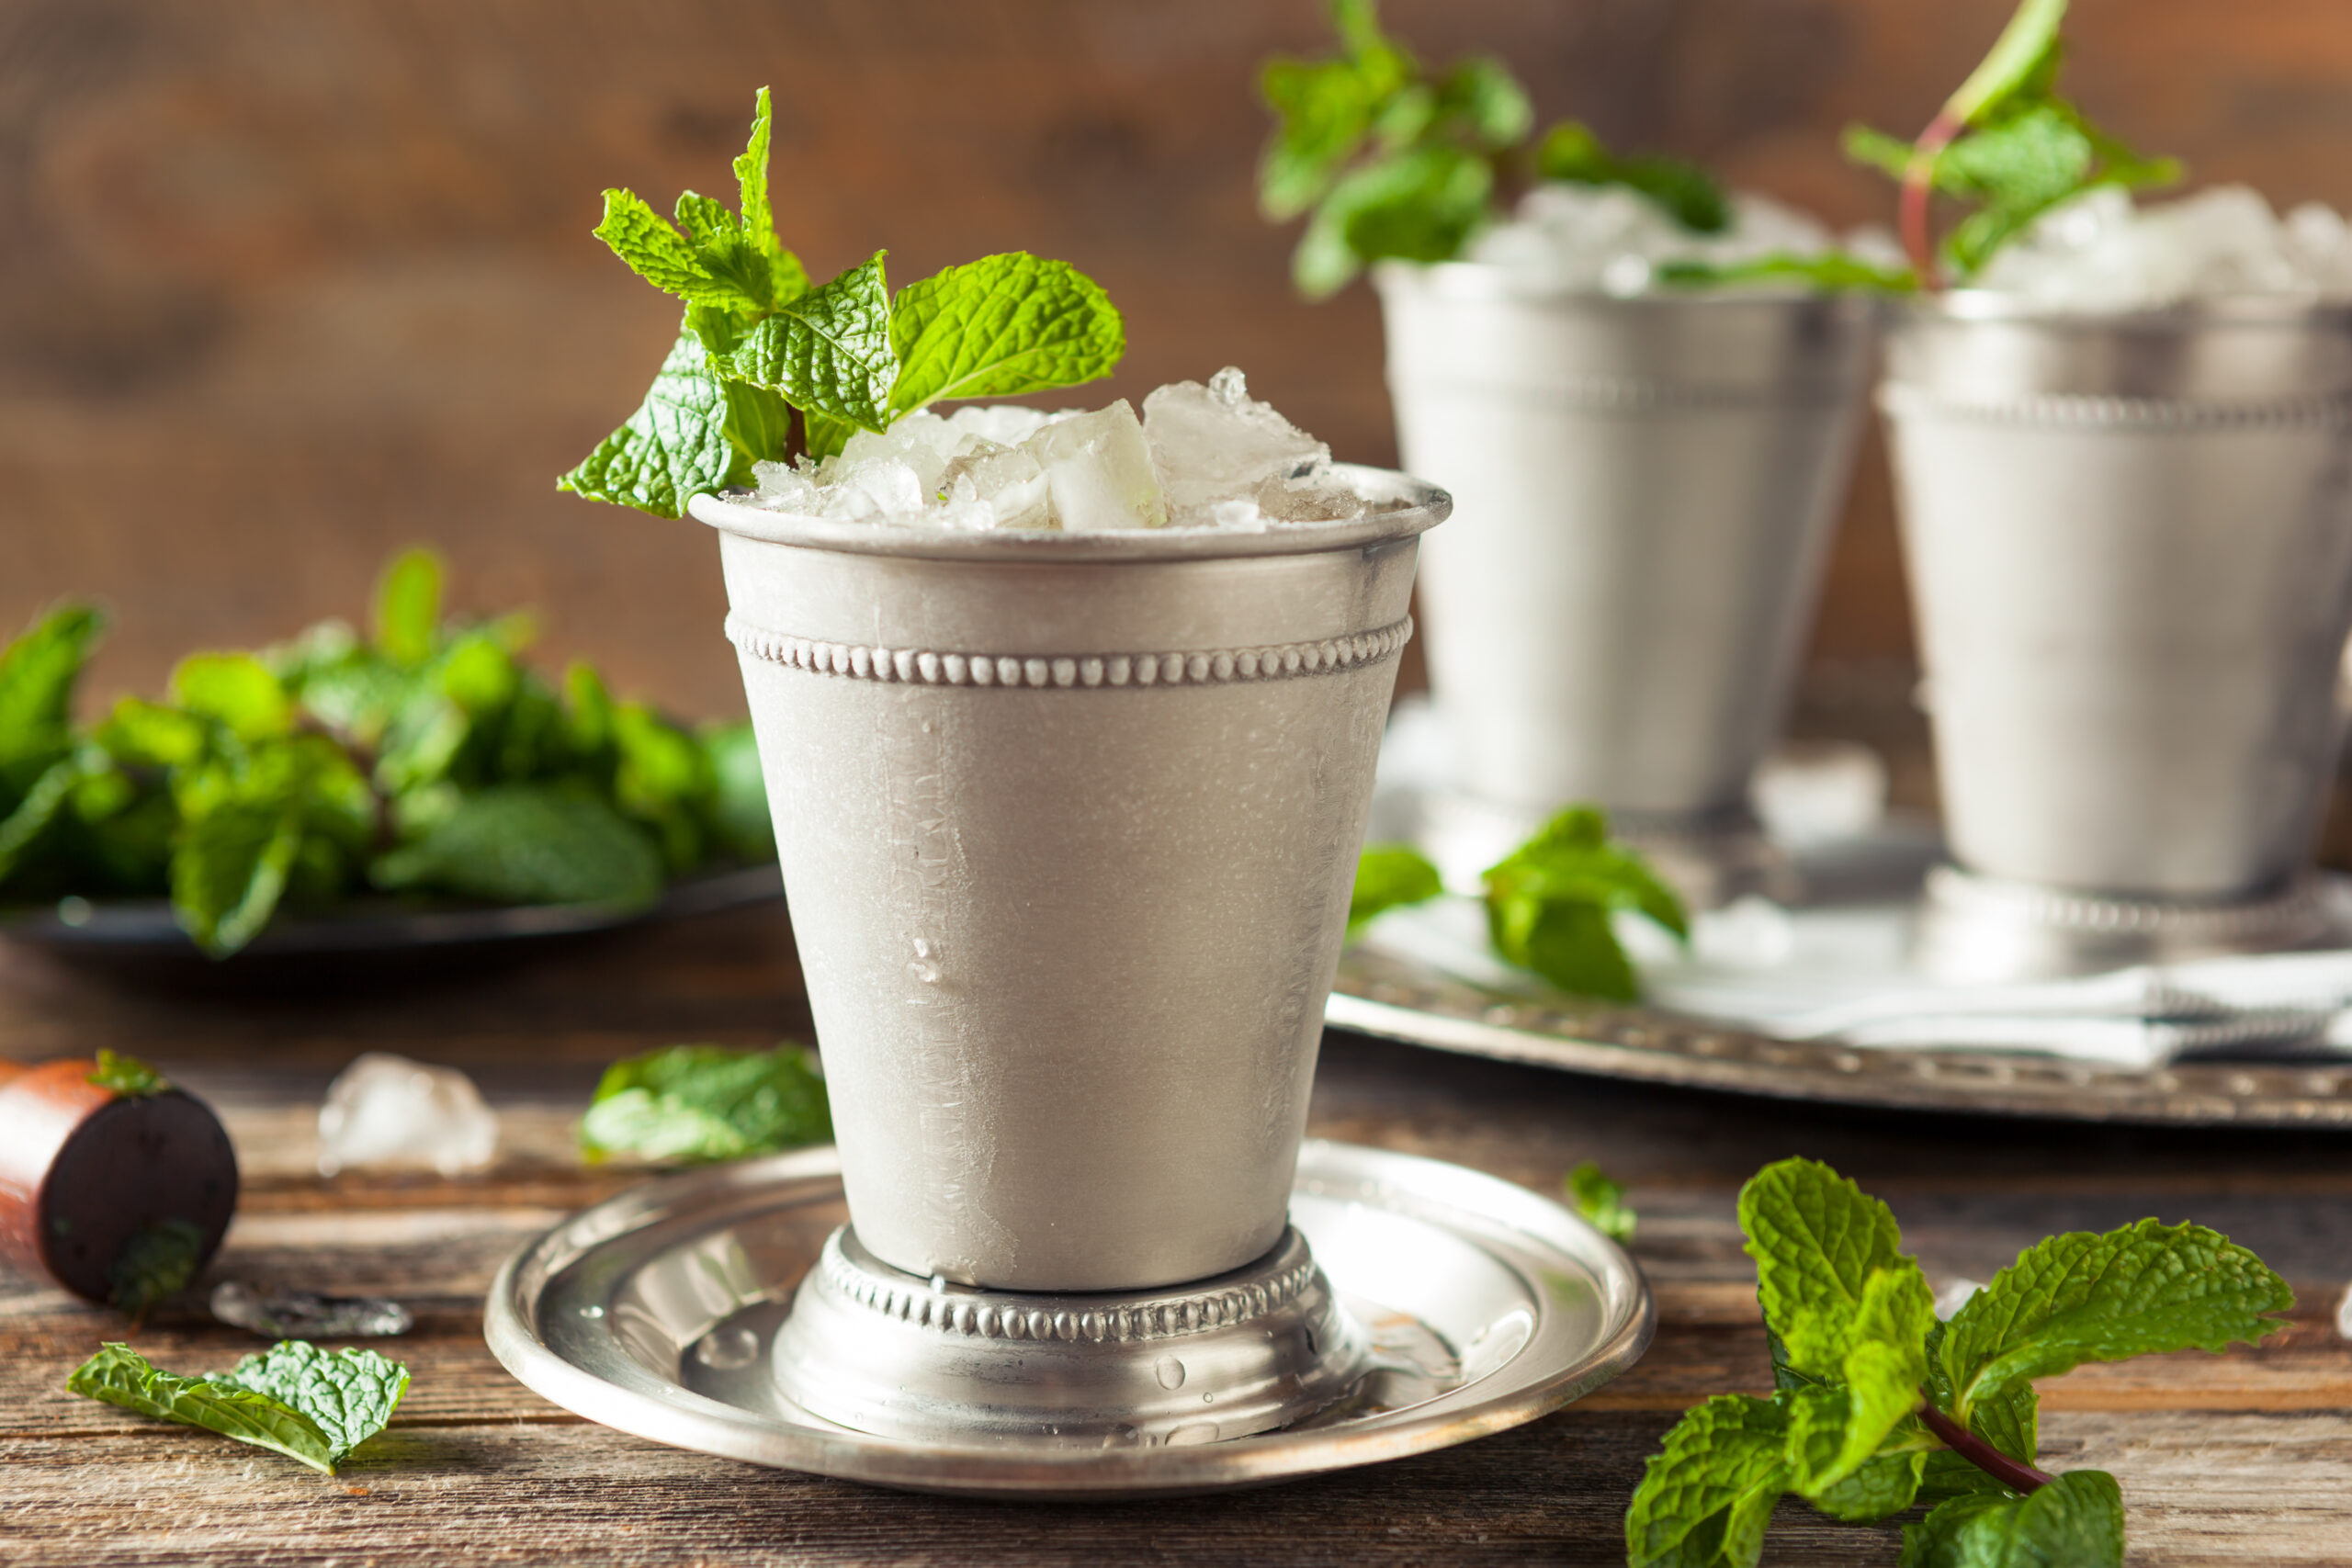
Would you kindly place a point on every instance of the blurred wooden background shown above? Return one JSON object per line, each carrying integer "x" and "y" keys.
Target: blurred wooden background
{"x": 286, "y": 284}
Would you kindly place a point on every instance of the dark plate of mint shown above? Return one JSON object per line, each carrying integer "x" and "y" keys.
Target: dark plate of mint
{"x": 393, "y": 800}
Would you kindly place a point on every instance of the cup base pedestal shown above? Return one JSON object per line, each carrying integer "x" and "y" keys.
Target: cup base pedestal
{"x": 879, "y": 1350}
{"x": 1986, "y": 930}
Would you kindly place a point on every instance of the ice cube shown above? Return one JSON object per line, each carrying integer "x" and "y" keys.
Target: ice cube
{"x": 1007, "y": 424}
{"x": 883, "y": 490}
{"x": 1097, "y": 468}
{"x": 1216, "y": 443}
{"x": 1007, "y": 480}
{"x": 784, "y": 488}
{"x": 2100, "y": 252}
{"x": 924, "y": 442}
{"x": 388, "y": 1111}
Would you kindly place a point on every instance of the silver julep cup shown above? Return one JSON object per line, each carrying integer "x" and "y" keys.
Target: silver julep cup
{"x": 1646, "y": 489}
{"x": 1068, "y": 825}
{"x": 2130, "y": 541}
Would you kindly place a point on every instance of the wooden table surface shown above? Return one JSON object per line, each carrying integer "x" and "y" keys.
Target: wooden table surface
{"x": 2235, "y": 1459}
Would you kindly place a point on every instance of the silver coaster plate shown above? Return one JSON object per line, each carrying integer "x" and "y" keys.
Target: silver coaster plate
{"x": 653, "y": 1313}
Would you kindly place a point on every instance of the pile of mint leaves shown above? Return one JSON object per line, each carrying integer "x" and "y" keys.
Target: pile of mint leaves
{"x": 1550, "y": 903}
{"x": 2007, "y": 146}
{"x": 310, "y": 1405}
{"x": 768, "y": 367}
{"x": 1387, "y": 159}
{"x": 1878, "y": 1406}
{"x": 424, "y": 758}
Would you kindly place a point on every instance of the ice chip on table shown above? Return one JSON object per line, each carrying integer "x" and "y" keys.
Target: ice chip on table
{"x": 1099, "y": 469}
{"x": 1216, "y": 443}
{"x": 2101, "y": 251}
{"x": 998, "y": 487}
{"x": 388, "y": 1111}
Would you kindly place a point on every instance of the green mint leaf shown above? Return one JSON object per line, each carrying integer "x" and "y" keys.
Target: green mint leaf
{"x": 1418, "y": 206}
{"x": 1831, "y": 271}
{"x": 697, "y": 1103}
{"x": 999, "y": 327}
{"x": 2024, "y": 52}
{"x": 711, "y": 273}
{"x": 1835, "y": 1430}
{"x": 739, "y": 793}
{"x": 1486, "y": 101}
{"x": 2076, "y": 1521}
{"x": 674, "y": 447}
{"x": 120, "y": 1376}
{"x": 408, "y": 607}
{"x": 1831, "y": 1277}
{"x": 752, "y": 189}
{"x": 1706, "y": 1496}
{"x": 1390, "y": 876}
{"x": 2144, "y": 1290}
{"x": 348, "y": 1395}
{"x": 237, "y": 689}
{"x": 37, "y": 672}
{"x": 1323, "y": 111}
{"x": 1548, "y": 905}
{"x": 230, "y": 868}
{"x": 829, "y": 351}
{"x": 1890, "y": 155}
{"x": 1886, "y": 1484}
{"x": 24, "y": 830}
{"x": 530, "y": 844}
{"x": 146, "y": 734}
{"x": 155, "y": 1264}
{"x": 128, "y": 1078}
{"x": 1570, "y": 153}
{"x": 1601, "y": 1201}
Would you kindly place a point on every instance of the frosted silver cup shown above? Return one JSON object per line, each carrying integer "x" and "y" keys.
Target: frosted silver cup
{"x": 1068, "y": 824}
{"x": 2130, "y": 541}
{"x": 1645, "y": 490}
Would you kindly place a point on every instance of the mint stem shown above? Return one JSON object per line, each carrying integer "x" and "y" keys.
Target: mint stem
{"x": 1919, "y": 194}
{"x": 2012, "y": 1474}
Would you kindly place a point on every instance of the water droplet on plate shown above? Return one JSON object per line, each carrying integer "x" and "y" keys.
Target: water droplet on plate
{"x": 1169, "y": 1371}
{"x": 728, "y": 1348}
{"x": 592, "y": 1312}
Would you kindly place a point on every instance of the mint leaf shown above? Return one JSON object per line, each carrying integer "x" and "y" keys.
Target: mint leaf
{"x": 1388, "y": 877}
{"x": 674, "y": 447}
{"x": 408, "y": 607}
{"x": 1548, "y": 905}
{"x": 24, "y": 829}
{"x": 126, "y": 1077}
{"x": 1819, "y": 1240}
{"x": 348, "y": 1395}
{"x": 1601, "y": 1202}
{"x": 1886, "y": 1484}
{"x": 230, "y": 869}
{"x": 530, "y": 844}
{"x": 715, "y": 267}
{"x": 237, "y": 689}
{"x": 999, "y": 327}
{"x": 37, "y": 672}
{"x": 1828, "y": 271}
{"x": 1570, "y": 153}
{"x": 1418, "y": 206}
{"x": 694, "y": 1103}
{"x": 2142, "y": 1289}
{"x": 155, "y": 1264}
{"x": 2076, "y": 1521}
{"x": 827, "y": 352}
{"x": 752, "y": 187}
{"x": 120, "y": 1376}
{"x": 2026, "y": 50}
{"x": 1705, "y": 1498}
{"x": 739, "y": 791}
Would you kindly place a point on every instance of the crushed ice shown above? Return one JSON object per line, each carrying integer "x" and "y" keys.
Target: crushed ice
{"x": 1200, "y": 456}
{"x": 1612, "y": 240}
{"x": 2103, "y": 252}
{"x": 388, "y": 1111}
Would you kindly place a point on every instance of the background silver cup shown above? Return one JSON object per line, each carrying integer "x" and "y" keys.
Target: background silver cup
{"x": 1646, "y": 489}
{"x": 1068, "y": 825}
{"x": 2129, "y": 542}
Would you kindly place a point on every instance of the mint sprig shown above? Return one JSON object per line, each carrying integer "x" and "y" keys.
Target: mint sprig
{"x": 1601, "y": 1201}
{"x": 759, "y": 343}
{"x": 2008, "y": 145}
{"x": 692, "y": 1104}
{"x": 310, "y": 1405}
{"x": 1549, "y": 904}
{"x": 1390, "y": 876}
{"x": 1387, "y": 159}
{"x": 1876, "y": 1403}
{"x": 128, "y": 1078}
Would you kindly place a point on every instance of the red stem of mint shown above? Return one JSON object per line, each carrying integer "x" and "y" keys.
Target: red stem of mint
{"x": 1918, "y": 192}
{"x": 2015, "y": 1475}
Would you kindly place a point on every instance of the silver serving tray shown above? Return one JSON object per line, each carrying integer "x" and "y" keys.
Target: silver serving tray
{"x": 653, "y": 1312}
{"x": 1397, "y": 996}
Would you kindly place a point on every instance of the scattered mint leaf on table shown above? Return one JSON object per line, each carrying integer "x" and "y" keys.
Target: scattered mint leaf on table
{"x": 1601, "y": 1201}
{"x": 308, "y": 1404}
{"x": 692, "y": 1104}
{"x": 1390, "y": 876}
{"x": 128, "y": 1077}
{"x": 1876, "y": 1403}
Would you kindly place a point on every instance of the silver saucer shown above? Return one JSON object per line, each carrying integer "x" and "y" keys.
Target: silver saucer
{"x": 1486, "y": 1306}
